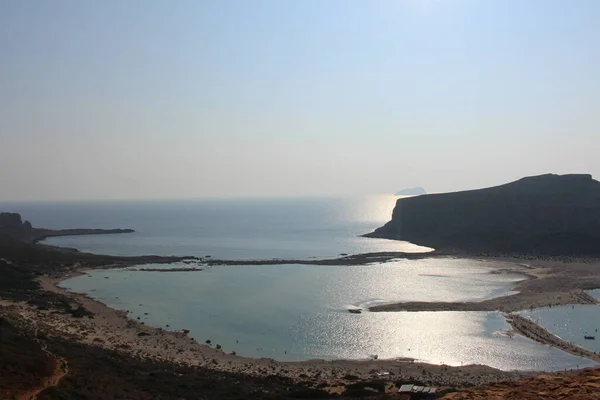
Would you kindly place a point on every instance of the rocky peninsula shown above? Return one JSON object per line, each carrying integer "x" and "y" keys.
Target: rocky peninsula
{"x": 13, "y": 226}
{"x": 546, "y": 215}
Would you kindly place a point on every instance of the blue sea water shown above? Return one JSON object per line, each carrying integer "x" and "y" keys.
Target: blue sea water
{"x": 293, "y": 312}
{"x": 223, "y": 228}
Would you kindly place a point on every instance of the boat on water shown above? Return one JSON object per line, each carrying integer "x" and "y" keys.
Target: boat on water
{"x": 354, "y": 310}
{"x": 589, "y": 337}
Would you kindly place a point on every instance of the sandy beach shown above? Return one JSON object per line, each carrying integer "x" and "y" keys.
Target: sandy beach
{"x": 548, "y": 283}
{"x": 112, "y": 330}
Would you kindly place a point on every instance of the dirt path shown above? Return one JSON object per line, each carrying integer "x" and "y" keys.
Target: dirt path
{"x": 60, "y": 370}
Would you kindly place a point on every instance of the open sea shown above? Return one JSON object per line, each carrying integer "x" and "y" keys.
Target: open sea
{"x": 293, "y": 312}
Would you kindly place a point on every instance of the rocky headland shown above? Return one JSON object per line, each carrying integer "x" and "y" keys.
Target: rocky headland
{"x": 13, "y": 226}
{"x": 549, "y": 215}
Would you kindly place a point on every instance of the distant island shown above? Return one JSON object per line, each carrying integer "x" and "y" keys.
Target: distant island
{"x": 416, "y": 191}
{"x": 540, "y": 215}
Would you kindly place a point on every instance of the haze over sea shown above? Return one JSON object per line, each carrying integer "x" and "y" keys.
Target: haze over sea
{"x": 293, "y": 312}
{"x": 223, "y": 228}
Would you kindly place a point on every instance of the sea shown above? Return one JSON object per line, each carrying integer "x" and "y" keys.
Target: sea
{"x": 299, "y": 311}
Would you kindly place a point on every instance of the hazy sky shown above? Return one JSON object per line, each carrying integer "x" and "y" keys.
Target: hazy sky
{"x": 161, "y": 99}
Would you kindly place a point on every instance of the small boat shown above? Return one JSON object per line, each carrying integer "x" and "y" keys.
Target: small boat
{"x": 590, "y": 337}
{"x": 354, "y": 310}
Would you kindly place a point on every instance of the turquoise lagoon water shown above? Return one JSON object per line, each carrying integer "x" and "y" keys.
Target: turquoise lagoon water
{"x": 299, "y": 312}
{"x": 571, "y": 323}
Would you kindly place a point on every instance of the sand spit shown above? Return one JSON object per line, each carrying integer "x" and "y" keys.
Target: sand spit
{"x": 530, "y": 329}
{"x": 550, "y": 283}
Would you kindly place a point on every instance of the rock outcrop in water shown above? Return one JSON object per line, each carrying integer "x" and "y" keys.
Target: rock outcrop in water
{"x": 542, "y": 215}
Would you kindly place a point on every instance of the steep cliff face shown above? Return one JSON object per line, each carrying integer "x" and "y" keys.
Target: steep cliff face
{"x": 546, "y": 214}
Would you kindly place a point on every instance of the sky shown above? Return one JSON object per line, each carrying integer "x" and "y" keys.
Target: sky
{"x": 149, "y": 99}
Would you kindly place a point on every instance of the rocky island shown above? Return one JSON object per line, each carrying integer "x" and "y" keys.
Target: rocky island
{"x": 551, "y": 215}
{"x": 416, "y": 191}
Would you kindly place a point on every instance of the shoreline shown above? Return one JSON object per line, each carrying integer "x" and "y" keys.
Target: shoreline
{"x": 50, "y": 284}
{"x": 528, "y": 328}
{"x": 113, "y": 330}
{"x": 547, "y": 283}
{"x": 200, "y": 354}
{"x": 177, "y": 347}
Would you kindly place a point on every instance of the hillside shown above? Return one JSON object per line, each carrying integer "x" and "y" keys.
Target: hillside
{"x": 584, "y": 385}
{"x": 543, "y": 215}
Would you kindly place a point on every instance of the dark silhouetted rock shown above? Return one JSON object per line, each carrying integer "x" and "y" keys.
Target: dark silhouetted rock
{"x": 539, "y": 215}
{"x": 12, "y": 225}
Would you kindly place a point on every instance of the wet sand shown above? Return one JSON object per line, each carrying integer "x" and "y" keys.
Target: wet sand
{"x": 549, "y": 283}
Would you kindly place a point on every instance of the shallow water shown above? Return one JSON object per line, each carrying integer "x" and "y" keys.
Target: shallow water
{"x": 571, "y": 323}
{"x": 299, "y": 312}
{"x": 594, "y": 293}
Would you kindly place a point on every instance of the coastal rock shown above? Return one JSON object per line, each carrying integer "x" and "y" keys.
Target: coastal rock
{"x": 542, "y": 215}
{"x": 12, "y": 225}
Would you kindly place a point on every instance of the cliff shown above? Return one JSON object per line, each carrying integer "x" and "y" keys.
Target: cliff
{"x": 542, "y": 215}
